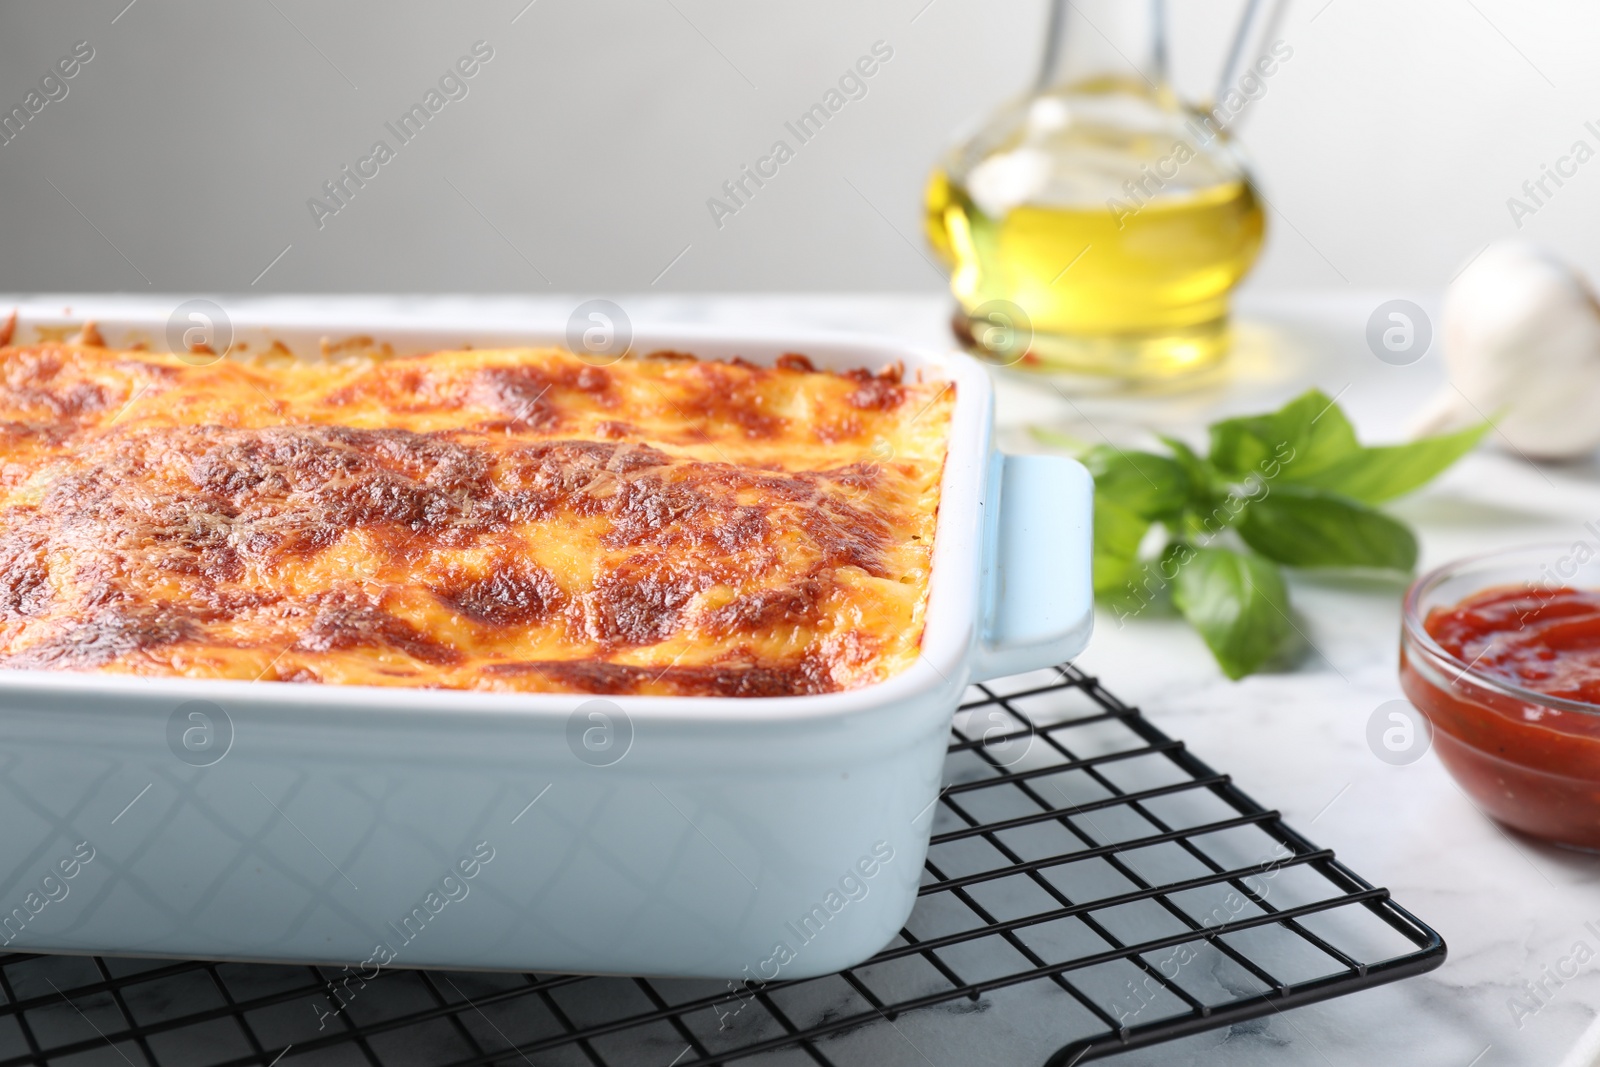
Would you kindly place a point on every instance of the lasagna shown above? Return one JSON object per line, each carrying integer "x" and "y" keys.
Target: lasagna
{"x": 515, "y": 520}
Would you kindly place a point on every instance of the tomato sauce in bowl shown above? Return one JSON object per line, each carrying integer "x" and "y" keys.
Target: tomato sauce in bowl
{"x": 1505, "y": 663}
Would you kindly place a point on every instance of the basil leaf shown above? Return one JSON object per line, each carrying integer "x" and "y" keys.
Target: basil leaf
{"x": 1374, "y": 475}
{"x": 1152, "y": 578}
{"x": 1148, "y": 588}
{"x": 1205, "y": 482}
{"x": 1117, "y": 534}
{"x": 1146, "y": 484}
{"x": 1307, "y": 435}
{"x": 1209, "y": 511}
{"x": 1239, "y": 605}
{"x": 1314, "y": 528}
{"x": 1200, "y": 473}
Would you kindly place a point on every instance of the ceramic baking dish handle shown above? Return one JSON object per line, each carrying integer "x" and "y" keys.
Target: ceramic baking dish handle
{"x": 1037, "y": 590}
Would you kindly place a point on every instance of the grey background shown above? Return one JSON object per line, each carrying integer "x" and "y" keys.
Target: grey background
{"x": 583, "y": 156}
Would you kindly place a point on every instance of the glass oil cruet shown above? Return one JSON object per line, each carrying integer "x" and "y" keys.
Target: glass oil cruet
{"x": 1097, "y": 225}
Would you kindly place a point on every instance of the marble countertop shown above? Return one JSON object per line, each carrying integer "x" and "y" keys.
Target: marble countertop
{"x": 1294, "y": 738}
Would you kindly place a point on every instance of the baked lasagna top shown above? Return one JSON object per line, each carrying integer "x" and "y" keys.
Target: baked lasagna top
{"x": 514, "y": 520}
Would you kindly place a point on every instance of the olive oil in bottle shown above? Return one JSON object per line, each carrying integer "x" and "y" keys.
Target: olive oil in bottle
{"x": 1107, "y": 217}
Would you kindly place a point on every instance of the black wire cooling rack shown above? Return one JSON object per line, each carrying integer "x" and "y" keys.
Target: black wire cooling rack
{"x": 1092, "y": 887}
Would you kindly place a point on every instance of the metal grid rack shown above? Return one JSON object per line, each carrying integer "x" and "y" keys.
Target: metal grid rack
{"x": 1092, "y": 887}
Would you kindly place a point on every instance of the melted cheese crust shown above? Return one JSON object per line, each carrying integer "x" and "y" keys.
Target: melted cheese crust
{"x": 504, "y": 520}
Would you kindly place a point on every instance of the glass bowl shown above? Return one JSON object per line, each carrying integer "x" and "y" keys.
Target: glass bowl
{"x": 1528, "y": 759}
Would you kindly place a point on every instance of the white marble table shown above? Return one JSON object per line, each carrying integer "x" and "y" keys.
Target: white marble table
{"x": 1293, "y": 738}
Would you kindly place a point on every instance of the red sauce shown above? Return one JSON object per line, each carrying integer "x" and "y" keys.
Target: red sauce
{"x": 1532, "y": 766}
{"x": 1547, "y": 640}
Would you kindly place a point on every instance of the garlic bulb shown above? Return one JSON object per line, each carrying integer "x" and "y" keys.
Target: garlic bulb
{"x": 1521, "y": 337}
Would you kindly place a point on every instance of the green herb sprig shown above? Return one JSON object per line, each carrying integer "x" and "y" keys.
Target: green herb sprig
{"x": 1208, "y": 533}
